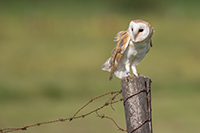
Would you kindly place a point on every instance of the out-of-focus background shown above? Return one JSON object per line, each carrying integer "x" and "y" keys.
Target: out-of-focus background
{"x": 51, "y": 54}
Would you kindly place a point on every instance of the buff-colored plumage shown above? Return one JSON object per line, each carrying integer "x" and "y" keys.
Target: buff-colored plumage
{"x": 131, "y": 48}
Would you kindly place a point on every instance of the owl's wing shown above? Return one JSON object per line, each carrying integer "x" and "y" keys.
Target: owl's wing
{"x": 119, "y": 35}
{"x": 150, "y": 45}
{"x": 123, "y": 39}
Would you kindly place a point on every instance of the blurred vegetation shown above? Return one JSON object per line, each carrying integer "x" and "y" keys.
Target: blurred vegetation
{"x": 51, "y": 54}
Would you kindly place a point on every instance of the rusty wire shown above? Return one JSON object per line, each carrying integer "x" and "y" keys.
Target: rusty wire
{"x": 108, "y": 102}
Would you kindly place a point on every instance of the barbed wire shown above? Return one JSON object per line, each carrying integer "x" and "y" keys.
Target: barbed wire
{"x": 108, "y": 102}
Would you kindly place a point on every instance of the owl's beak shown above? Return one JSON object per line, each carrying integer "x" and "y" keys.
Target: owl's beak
{"x": 135, "y": 35}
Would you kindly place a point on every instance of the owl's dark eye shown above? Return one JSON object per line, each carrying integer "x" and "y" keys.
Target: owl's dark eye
{"x": 132, "y": 29}
{"x": 141, "y": 30}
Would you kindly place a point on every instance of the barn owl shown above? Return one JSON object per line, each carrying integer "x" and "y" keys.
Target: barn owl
{"x": 132, "y": 46}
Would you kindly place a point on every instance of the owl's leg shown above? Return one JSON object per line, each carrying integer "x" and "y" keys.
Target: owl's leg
{"x": 134, "y": 70}
{"x": 127, "y": 66}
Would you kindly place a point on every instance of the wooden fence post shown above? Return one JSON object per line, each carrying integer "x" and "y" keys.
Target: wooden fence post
{"x": 136, "y": 93}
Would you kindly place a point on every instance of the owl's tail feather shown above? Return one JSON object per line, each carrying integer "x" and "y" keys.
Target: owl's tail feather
{"x": 120, "y": 72}
{"x": 106, "y": 66}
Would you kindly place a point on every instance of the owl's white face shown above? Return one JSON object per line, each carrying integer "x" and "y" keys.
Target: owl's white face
{"x": 138, "y": 31}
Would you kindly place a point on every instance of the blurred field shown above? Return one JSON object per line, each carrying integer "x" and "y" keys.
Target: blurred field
{"x": 51, "y": 55}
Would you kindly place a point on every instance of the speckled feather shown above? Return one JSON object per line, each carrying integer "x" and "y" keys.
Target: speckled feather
{"x": 122, "y": 37}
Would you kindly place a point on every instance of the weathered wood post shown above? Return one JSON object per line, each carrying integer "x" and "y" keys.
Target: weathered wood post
{"x": 136, "y": 93}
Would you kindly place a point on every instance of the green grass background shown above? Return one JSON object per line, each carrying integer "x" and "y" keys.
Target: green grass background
{"x": 51, "y": 54}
